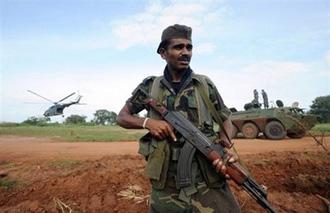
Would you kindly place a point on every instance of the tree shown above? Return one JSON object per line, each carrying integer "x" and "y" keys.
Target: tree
{"x": 75, "y": 119}
{"x": 103, "y": 117}
{"x": 112, "y": 118}
{"x": 321, "y": 107}
{"x": 36, "y": 121}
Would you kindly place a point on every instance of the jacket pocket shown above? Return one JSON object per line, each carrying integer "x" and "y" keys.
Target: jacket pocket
{"x": 145, "y": 146}
{"x": 156, "y": 160}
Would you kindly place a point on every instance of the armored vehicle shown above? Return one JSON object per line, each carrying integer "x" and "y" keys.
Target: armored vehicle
{"x": 274, "y": 123}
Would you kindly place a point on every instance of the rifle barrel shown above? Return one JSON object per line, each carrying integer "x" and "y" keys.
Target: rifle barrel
{"x": 254, "y": 192}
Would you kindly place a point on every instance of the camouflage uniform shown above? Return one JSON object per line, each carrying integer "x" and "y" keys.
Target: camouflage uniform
{"x": 209, "y": 191}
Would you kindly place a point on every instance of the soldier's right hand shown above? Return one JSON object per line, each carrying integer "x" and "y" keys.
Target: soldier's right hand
{"x": 160, "y": 129}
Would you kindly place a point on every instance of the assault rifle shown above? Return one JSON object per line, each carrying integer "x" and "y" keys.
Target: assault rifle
{"x": 198, "y": 140}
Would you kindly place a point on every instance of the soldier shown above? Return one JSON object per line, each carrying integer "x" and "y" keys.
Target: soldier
{"x": 176, "y": 89}
{"x": 255, "y": 101}
{"x": 256, "y": 96}
{"x": 265, "y": 98}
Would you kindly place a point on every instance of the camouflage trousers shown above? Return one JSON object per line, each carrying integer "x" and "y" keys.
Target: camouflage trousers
{"x": 205, "y": 200}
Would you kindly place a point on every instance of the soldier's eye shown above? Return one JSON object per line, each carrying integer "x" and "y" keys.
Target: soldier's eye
{"x": 182, "y": 46}
{"x": 178, "y": 46}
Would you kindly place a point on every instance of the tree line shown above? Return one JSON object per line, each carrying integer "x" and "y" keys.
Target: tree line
{"x": 101, "y": 117}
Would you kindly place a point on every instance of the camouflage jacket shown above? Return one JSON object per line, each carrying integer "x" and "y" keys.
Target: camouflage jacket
{"x": 189, "y": 102}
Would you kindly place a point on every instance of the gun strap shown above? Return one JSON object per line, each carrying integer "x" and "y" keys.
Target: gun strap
{"x": 217, "y": 118}
{"x": 212, "y": 109}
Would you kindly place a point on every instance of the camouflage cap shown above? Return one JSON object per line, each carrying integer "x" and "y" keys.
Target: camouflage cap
{"x": 175, "y": 31}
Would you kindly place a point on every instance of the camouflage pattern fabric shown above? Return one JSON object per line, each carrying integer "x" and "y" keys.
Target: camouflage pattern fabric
{"x": 206, "y": 200}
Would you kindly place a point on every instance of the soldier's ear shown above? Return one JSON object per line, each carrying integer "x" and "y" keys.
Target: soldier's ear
{"x": 162, "y": 53}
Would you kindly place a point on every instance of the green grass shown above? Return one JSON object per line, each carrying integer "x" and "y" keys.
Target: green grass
{"x": 8, "y": 184}
{"x": 75, "y": 132}
{"x": 321, "y": 128}
{"x": 96, "y": 133}
{"x": 64, "y": 164}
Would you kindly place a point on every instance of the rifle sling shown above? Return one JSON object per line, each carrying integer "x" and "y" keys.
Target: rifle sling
{"x": 212, "y": 109}
{"x": 217, "y": 117}
{"x": 184, "y": 176}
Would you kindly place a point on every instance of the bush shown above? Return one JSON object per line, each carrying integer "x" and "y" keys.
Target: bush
{"x": 75, "y": 119}
{"x": 37, "y": 121}
{"x": 9, "y": 124}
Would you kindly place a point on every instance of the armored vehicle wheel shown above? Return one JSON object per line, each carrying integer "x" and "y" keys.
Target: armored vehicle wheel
{"x": 275, "y": 130}
{"x": 250, "y": 130}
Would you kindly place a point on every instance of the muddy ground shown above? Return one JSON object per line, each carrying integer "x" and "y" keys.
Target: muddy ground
{"x": 42, "y": 175}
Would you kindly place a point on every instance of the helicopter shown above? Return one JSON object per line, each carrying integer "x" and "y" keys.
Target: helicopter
{"x": 58, "y": 107}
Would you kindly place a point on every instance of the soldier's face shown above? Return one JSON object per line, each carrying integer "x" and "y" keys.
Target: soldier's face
{"x": 178, "y": 54}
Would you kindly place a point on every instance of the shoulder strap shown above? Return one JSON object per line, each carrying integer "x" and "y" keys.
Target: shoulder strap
{"x": 201, "y": 79}
{"x": 211, "y": 107}
{"x": 155, "y": 93}
{"x": 155, "y": 88}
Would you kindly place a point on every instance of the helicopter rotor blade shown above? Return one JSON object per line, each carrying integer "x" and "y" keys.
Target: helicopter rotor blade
{"x": 40, "y": 96}
{"x": 66, "y": 97}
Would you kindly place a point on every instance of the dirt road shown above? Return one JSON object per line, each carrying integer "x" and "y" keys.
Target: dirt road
{"x": 29, "y": 148}
{"x": 42, "y": 175}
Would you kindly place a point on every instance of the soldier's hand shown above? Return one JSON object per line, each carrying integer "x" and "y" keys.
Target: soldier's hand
{"x": 160, "y": 129}
{"x": 220, "y": 165}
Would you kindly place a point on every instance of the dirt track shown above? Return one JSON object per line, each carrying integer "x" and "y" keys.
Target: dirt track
{"x": 31, "y": 148}
{"x": 99, "y": 177}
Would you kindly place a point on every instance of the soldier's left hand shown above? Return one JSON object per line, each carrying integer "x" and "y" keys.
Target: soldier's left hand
{"x": 220, "y": 165}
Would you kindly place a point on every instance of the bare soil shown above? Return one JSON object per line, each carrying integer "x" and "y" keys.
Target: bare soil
{"x": 42, "y": 175}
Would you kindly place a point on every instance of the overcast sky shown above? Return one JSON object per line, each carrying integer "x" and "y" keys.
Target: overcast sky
{"x": 104, "y": 48}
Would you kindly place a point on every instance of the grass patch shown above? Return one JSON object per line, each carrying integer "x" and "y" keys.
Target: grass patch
{"x": 319, "y": 129}
{"x": 322, "y": 127}
{"x": 64, "y": 164}
{"x": 62, "y": 132}
{"x": 82, "y": 133}
{"x": 8, "y": 184}
{"x": 75, "y": 132}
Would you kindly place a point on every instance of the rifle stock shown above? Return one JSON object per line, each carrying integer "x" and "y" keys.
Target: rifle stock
{"x": 197, "y": 139}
